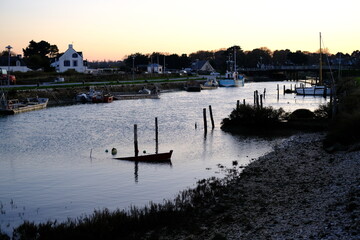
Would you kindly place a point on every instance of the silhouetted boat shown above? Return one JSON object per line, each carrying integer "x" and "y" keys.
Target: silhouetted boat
{"x": 157, "y": 157}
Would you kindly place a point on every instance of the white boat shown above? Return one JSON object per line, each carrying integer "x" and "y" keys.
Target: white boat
{"x": 314, "y": 90}
{"x": 210, "y": 83}
{"x": 94, "y": 97}
{"x": 232, "y": 77}
{"x": 15, "y": 106}
{"x": 318, "y": 89}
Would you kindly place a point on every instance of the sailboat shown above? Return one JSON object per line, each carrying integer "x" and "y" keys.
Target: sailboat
{"x": 318, "y": 89}
{"x": 232, "y": 77}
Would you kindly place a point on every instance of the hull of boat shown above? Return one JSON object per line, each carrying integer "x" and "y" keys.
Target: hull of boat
{"x": 230, "y": 83}
{"x": 136, "y": 96}
{"x": 314, "y": 91}
{"x": 159, "y": 157}
{"x": 32, "y": 106}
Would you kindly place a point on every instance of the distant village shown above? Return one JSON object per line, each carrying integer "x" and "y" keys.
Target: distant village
{"x": 204, "y": 62}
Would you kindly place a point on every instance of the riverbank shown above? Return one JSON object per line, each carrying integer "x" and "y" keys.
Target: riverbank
{"x": 298, "y": 191}
{"x": 66, "y": 95}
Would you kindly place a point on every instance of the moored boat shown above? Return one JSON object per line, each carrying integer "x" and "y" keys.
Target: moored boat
{"x": 15, "y": 106}
{"x": 313, "y": 90}
{"x": 211, "y": 83}
{"x": 94, "y": 97}
{"x": 157, "y": 157}
{"x": 232, "y": 77}
{"x": 143, "y": 93}
{"x": 318, "y": 89}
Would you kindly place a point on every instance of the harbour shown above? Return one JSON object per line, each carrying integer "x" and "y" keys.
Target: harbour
{"x": 47, "y": 171}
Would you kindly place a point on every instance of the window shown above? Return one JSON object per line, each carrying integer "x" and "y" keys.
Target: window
{"x": 66, "y": 63}
{"x": 75, "y": 63}
{"x": 75, "y": 55}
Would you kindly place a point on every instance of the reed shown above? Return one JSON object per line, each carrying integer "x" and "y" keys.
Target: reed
{"x": 151, "y": 221}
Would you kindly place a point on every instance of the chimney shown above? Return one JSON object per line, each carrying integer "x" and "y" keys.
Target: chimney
{"x": 70, "y": 46}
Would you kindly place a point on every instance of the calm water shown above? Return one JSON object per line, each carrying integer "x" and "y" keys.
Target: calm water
{"x": 46, "y": 171}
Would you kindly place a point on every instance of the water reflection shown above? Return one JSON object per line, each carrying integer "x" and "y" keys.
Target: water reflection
{"x": 44, "y": 155}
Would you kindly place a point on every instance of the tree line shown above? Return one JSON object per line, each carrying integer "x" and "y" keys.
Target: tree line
{"x": 38, "y": 55}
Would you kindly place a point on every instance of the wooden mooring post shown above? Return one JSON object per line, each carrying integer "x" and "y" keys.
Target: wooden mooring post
{"x": 156, "y": 136}
{"x": 261, "y": 101}
{"x": 211, "y": 117}
{"x": 278, "y": 92}
{"x": 136, "y": 141}
{"x": 205, "y": 122}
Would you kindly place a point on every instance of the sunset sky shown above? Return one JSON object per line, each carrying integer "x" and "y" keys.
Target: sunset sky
{"x": 112, "y": 29}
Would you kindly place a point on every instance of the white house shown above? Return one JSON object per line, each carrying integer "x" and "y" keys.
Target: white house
{"x": 154, "y": 68}
{"x": 70, "y": 60}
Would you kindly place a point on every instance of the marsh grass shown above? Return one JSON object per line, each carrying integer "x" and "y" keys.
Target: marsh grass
{"x": 149, "y": 222}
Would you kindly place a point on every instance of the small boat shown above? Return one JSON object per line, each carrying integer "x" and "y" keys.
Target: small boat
{"x": 94, "y": 97}
{"x": 143, "y": 93}
{"x": 211, "y": 83}
{"x": 15, "y": 106}
{"x": 157, "y": 157}
{"x": 313, "y": 90}
{"x": 192, "y": 86}
{"x": 318, "y": 89}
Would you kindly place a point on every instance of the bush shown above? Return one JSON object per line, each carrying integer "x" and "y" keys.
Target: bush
{"x": 251, "y": 115}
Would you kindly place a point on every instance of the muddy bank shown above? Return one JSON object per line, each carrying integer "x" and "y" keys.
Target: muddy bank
{"x": 60, "y": 96}
{"x": 298, "y": 191}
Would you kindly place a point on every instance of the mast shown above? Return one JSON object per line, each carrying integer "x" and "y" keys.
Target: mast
{"x": 234, "y": 59}
{"x": 320, "y": 68}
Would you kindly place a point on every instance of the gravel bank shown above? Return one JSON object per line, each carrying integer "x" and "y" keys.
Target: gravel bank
{"x": 298, "y": 191}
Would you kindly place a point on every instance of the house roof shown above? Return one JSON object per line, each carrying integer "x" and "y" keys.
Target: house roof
{"x": 198, "y": 64}
{"x": 4, "y": 61}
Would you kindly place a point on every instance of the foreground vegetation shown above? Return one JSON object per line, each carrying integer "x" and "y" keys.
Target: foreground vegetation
{"x": 149, "y": 222}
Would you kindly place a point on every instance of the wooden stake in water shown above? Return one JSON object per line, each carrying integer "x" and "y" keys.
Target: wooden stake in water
{"x": 211, "y": 117}
{"x": 205, "y": 122}
{"x": 156, "y": 136}
{"x": 136, "y": 141}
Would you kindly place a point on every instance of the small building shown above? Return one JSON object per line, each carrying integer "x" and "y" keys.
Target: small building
{"x": 69, "y": 60}
{"x": 202, "y": 66}
{"x": 17, "y": 64}
{"x": 154, "y": 68}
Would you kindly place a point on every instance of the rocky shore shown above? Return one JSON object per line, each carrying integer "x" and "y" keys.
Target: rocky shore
{"x": 298, "y": 191}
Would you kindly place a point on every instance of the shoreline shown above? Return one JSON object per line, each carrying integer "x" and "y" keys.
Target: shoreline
{"x": 296, "y": 191}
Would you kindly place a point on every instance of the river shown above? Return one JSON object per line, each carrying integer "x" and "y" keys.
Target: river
{"x": 54, "y": 163}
